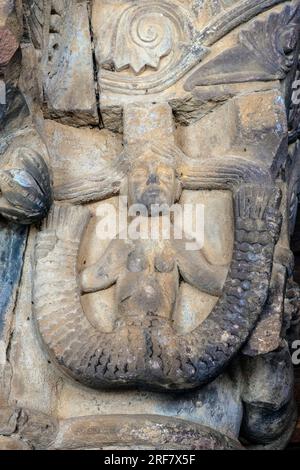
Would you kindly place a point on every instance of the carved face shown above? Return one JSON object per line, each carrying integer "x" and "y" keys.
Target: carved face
{"x": 152, "y": 184}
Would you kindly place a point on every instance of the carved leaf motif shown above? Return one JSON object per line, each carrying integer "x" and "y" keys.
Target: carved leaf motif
{"x": 273, "y": 41}
{"x": 238, "y": 12}
{"x": 265, "y": 51}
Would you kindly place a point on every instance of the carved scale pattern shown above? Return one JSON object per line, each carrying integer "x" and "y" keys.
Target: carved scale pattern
{"x": 147, "y": 351}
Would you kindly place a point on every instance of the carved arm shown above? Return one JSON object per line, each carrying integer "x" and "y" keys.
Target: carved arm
{"x": 104, "y": 273}
{"x": 198, "y": 272}
{"x": 222, "y": 173}
{"x": 95, "y": 187}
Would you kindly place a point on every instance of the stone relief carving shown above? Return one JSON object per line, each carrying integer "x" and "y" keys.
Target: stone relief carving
{"x": 144, "y": 35}
{"x": 248, "y": 60}
{"x": 145, "y": 343}
{"x": 149, "y": 36}
{"x": 25, "y": 187}
{"x": 164, "y": 359}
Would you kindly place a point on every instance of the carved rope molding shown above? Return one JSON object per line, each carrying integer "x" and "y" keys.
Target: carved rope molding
{"x": 148, "y": 352}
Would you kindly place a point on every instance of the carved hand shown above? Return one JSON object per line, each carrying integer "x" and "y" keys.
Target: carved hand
{"x": 104, "y": 273}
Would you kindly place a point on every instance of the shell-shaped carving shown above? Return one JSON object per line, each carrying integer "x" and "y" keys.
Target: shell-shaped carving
{"x": 25, "y": 192}
{"x": 273, "y": 42}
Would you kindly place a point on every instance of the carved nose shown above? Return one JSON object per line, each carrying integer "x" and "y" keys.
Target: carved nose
{"x": 153, "y": 179}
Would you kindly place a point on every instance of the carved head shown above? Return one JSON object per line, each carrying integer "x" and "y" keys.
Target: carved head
{"x": 152, "y": 182}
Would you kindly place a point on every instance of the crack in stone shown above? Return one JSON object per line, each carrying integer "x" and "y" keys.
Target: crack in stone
{"x": 95, "y": 68}
{"x": 13, "y": 320}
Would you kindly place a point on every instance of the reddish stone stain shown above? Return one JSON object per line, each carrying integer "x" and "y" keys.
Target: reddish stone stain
{"x": 8, "y": 45}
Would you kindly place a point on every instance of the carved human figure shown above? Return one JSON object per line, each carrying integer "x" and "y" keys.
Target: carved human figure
{"x": 204, "y": 75}
{"x": 147, "y": 271}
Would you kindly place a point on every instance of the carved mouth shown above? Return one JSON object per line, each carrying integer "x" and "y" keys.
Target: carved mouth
{"x": 155, "y": 201}
{"x": 151, "y": 194}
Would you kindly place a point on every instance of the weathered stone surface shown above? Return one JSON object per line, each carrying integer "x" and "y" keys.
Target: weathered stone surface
{"x": 147, "y": 124}
{"x": 266, "y": 336}
{"x": 10, "y": 443}
{"x": 151, "y": 432}
{"x": 72, "y": 149}
{"x": 8, "y": 46}
{"x": 10, "y": 30}
{"x": 256, "y": 55}
{"x": 8, "y": 420}
{"x": 69, "y": 88}
{"x": 31, "y": 372}
{"x": 141, "y": 111}
{"x": 27, "y": 426}
{"x": 267, "y": 395}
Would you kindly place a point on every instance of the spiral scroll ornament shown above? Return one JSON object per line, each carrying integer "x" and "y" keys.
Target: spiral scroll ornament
{"x": 157, "y": 37}
{"x": 144, "y": 36}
